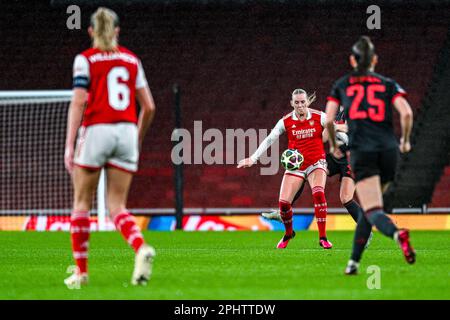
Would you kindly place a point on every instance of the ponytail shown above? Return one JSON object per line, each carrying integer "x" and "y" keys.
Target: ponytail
{"x": 103, "y": 22}
{"x": 363, "y": 50}
{"x": 310, "y": 97}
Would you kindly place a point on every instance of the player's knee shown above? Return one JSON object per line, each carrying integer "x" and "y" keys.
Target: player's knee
{"x": 346, "y": 198}
{"x": 284, "y": 206}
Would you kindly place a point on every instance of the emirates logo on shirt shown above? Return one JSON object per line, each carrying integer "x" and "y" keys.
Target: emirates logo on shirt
{"x": 304, "y": 133}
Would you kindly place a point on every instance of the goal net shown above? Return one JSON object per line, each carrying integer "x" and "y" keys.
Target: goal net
{"x": 35, "y": 189}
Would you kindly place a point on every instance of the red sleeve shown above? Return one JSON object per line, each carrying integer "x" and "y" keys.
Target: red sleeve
{"x": 400, "y": 94}
{"x": 398, "y": 91}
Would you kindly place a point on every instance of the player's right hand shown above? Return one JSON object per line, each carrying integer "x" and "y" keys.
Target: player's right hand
{"x": 245, "y": 163}
{"x": 405, "y": 147}
{"x": 68, "y": 159}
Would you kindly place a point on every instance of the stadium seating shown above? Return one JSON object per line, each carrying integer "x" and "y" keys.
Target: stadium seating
{"x": 421, "y": 169}
{"x": 236, "y": 65}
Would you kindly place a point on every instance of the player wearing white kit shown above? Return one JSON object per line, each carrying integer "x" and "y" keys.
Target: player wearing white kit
{"x": 107, "y": 81}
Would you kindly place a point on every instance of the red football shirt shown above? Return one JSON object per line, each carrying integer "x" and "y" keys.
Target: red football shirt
{"x": 306, "y": 136}
{"x": 111, "y": 79}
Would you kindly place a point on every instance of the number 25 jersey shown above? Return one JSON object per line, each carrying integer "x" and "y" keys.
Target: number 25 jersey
{"x": 111, "y": 79}
{"x": 368, "y": 101}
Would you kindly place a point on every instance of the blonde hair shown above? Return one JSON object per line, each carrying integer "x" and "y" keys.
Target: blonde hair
{"x": 310, "y": 97}
{"x": 104, "y": 22}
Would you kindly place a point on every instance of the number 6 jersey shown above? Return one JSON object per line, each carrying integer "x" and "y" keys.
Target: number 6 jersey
{"x": 111, "y": 79}
{"x": 368, "y": 99}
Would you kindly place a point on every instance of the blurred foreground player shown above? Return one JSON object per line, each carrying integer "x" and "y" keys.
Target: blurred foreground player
{"x": 107, "y": 81}
{"x": 367, "y": 98}
{"x": 304, "y": 127}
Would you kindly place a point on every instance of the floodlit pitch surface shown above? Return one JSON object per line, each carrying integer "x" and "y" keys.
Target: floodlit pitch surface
{"x": 226, "y": 265}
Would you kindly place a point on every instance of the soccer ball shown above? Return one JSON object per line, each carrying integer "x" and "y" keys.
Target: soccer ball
{"x": 341, "y": 139}
{"x": 291, "y": 159}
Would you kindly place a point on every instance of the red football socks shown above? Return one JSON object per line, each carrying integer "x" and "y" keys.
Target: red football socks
{"x": 320, "y": 210}
{"x": 126, "y": 224}
{"x": 286, "y": 216}
{"x": 79, "y": 231}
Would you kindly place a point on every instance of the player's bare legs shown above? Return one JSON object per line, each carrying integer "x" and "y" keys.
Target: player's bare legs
{"x": 371, "y": 198}
{"x": 289, "y": 187}
{"x": 85, "y": 183}
{"x": 369, "y": 193}
{"x": 347, "y": 190}
{"x": 317, "y": 180}
{"x": 117, "y": 185}
{"x": 346, "y": 194}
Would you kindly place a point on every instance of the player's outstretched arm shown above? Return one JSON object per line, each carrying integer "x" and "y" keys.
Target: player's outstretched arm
{"x": 267, "y": 142}
{"x": 406, "y": 122}
{"x": 245, "y": 163}
{"x": 147, "y": 113}
{"x": 74, "y": 117}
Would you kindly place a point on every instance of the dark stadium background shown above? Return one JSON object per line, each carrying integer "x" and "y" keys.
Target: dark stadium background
{"x": 236, "y": 63}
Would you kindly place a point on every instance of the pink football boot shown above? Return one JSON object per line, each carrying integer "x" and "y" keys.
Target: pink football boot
{"x": 285, "y": 240}
{"x": 324, "y": 243}
{"x": 405, "y": 245}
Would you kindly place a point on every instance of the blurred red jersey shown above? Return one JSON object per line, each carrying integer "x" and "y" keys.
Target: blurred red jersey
{"x": 306, "y": 136}
{"x": 111, "y": 79}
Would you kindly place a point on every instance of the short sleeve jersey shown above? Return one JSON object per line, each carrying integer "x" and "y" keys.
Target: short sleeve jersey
{"x": 111, "y": 79}
{"x": 367, "y": 100}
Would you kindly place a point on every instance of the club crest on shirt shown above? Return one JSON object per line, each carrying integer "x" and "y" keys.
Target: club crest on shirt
{"x": 311, "y": 122}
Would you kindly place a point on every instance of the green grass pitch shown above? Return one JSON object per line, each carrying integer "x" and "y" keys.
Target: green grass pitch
{"x": 225, "y": 265}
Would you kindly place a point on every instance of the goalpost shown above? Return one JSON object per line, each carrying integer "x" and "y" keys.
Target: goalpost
{"x": 33, "y": 179}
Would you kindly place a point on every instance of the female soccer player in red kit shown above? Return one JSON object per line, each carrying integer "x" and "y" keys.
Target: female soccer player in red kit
{"x": 304, "y": 128}
{"x": 107, "y": 81}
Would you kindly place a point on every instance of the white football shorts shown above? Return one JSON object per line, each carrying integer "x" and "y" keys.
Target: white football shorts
{"x": 108, "y": 145}
{"x": 321, "y": 164}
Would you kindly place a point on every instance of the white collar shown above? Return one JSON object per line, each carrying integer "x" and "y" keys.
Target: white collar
{"x": 308, "y": 115}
